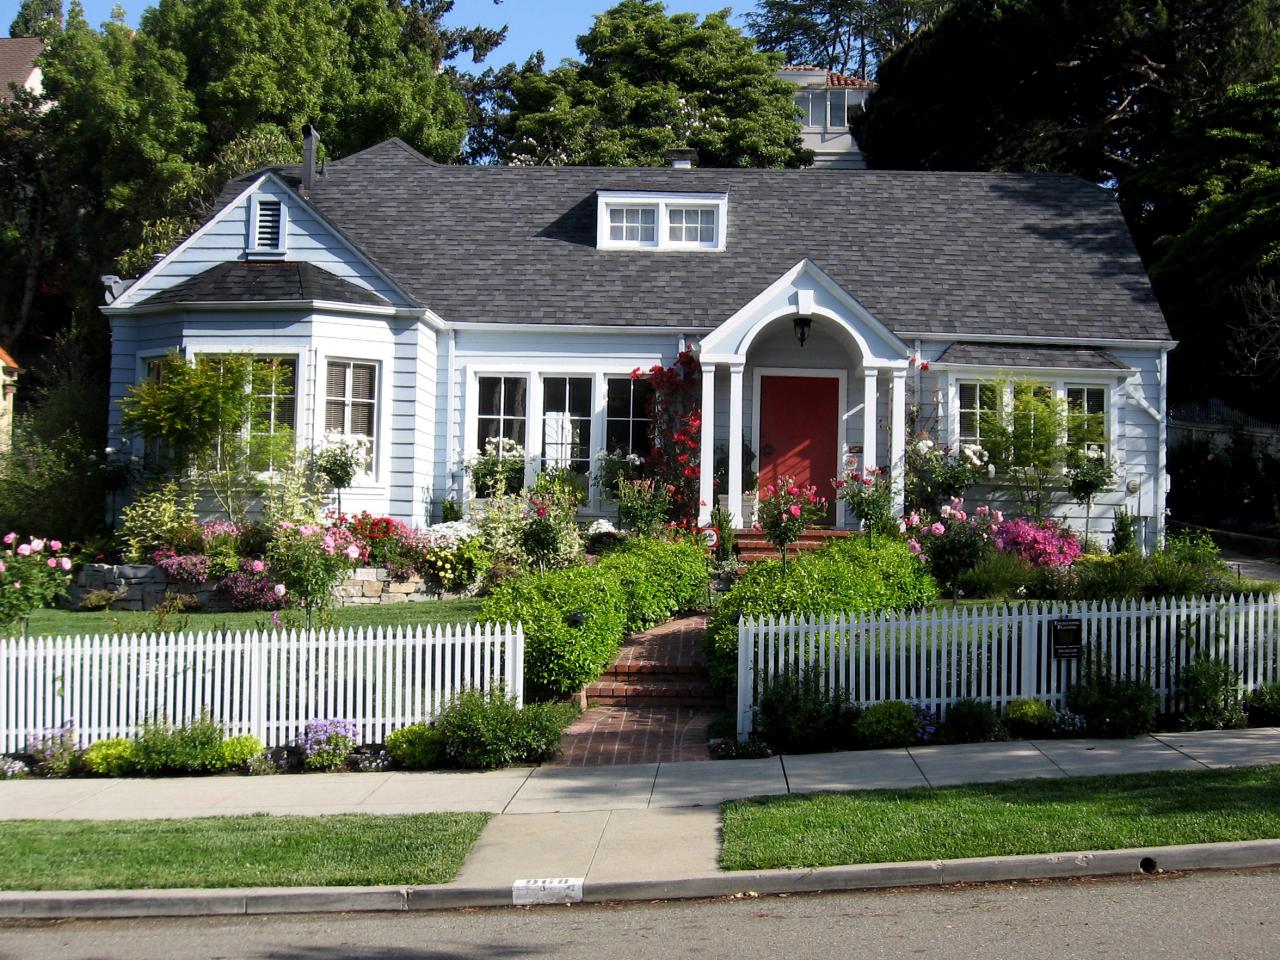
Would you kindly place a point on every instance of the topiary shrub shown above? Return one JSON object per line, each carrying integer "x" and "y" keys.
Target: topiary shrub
{"x": 795, "y": 714}
{"x": 1112, "y": 706}
{"x": 574, "y": 621}
{"x": 239, "y": 750}
{"x": 851, "y": 575}
{"x": 972, "y": 721}
{"x": 660, "y": 577}
{"x": 1262, "y": 705}
{"x": 1210, "y": 693}
{"x": 113, "y": 757}
{"x": 482, "y": 731}
{"x": 887, "y": 725}
{"x": 416, "y": 747}
{"x": 1027, "y": 719}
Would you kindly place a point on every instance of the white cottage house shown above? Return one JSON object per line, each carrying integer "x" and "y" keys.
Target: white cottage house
{"x": 429, "y": 307}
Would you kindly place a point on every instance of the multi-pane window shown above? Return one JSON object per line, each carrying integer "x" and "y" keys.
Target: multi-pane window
{"x": 502, "y": 410}
{"x": 633, "y": 224}
{"x": 978, "y": 404}
{"x": 351, "y": 404}
{"x": 824, "y": 109}
{"x": 157, "y": 454}
{"x": 272, "y": 382}
{"x": 1086, "y": 418}
{"x": 627, "y": 416}
{"x": 566, "y": 423}
{"x": 692, "y": 224}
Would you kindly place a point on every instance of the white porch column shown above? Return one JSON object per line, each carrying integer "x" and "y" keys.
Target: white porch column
{"x": 898, "y": 441}
{"x": 870, "y": 379}
{"x": 735, "y": 442}
{"x": 707, "y": 458}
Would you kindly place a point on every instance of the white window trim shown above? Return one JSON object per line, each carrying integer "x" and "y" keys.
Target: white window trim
{"x": 662, "y": 203}
{"x": 366, "y": 480}
{"x": 251, "y": 243}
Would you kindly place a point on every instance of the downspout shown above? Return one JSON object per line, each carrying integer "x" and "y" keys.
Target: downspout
{"x": 451, "y": 430}
{"x": 916, "y": 384}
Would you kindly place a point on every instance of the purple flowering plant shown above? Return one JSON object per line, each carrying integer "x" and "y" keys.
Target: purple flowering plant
{"x": 326, "y": 744}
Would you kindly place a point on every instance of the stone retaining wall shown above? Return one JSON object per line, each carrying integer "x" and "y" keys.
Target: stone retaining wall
{"x": 143, "y": 587}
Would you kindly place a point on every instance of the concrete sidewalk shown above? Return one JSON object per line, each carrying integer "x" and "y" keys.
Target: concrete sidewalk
{"x": 646, "y": 823}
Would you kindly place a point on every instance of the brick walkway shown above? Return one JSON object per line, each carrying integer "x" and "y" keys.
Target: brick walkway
{"x": 653, "y": 705}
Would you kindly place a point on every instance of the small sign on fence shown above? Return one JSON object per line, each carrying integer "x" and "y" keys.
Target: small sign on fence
{"x": 1066, "y": 639}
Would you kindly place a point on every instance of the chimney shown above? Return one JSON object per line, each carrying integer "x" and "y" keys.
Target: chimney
{"x": 310, "y": 144}
{"x": 683, "y": 158}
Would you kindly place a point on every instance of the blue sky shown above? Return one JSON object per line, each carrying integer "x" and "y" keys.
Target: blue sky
{"x": 548, "y": 25}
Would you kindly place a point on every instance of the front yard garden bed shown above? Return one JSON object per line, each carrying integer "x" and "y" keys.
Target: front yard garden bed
{"x": 1017, "y": 817}
{"x": 250, "y": 851}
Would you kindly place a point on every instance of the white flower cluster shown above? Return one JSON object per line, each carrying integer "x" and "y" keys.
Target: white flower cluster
{"x": 601, "y": 526}
{"x": 450, "y": 534}
{"x": 973, "y": 453}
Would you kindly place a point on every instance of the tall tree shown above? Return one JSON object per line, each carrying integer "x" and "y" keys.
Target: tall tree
{"x": 848, "y": 36}
{"x": 648, "y": 82}
{"x": 36, "y": 18}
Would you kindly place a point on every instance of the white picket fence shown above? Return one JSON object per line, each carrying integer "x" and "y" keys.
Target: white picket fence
{"x": 997, "y": 654}
{"x": 267, "y": 684}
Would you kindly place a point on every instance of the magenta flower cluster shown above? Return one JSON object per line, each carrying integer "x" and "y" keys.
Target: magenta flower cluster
{"x": 187, "y": 567}
{"x": 1043, "y": 544}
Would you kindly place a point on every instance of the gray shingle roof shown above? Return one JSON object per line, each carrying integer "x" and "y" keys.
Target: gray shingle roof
{"x": 943, "y": 253}
{"x": 17, "y": 60}
{"x": 243, "y": 281}
{"x": 1001, "y": 355}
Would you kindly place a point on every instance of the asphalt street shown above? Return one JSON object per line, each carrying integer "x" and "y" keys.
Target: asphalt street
{"x": 1201, "y": 916}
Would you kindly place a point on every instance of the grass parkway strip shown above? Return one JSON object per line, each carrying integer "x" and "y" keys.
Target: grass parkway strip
{"x": 1016, "y": 817}
{"x": 250, "y": 851}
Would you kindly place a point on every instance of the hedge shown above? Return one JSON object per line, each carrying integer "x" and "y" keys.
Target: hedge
{"x": 660, "y": 578}
{"x": 850, "y": 575}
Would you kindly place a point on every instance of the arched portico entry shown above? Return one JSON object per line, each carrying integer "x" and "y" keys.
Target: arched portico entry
{"x": 801, "y": 407}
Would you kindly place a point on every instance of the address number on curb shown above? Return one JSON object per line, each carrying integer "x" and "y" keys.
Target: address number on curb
{"x": 548, "y": 890}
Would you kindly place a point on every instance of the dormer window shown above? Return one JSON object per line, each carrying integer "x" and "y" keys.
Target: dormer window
{"x": 653, "y": 221}
{"x": 268, "y": 227}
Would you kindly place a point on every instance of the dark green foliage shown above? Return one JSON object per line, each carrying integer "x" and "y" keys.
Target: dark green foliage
{"x": 1028, "y": 719}
{"x": 574, "y": 621}
{"x": 1209, "y": 690}
{"x": 1262, "y": 705}
{"x": 450, "y": 511}
{"x": 797, "y": 714}
{"x": 416, "y": 747}
{"x": 972, "y": 721}
{"x": 732, "y": 749}
{"x": 660, "y": 578}
{"x": 887, "y": 725}
{"x": 849, "y": 575}
{"x": 195, "y": 747}
{"x": 484, "y": 731}
{"x": 1124, "y": 532}
{"x": 961, "y": 548}
{"x": 998, "y": 575}
{"x": 1112, "y": 706}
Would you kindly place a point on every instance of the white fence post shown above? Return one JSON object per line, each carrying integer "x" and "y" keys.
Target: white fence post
{"x": 746, "y": 677}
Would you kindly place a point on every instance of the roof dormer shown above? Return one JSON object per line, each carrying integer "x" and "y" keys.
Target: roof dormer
{"x": 673, "y": 222}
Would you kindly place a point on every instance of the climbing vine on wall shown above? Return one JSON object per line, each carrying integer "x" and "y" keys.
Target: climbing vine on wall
{"x": 675, "y": 430}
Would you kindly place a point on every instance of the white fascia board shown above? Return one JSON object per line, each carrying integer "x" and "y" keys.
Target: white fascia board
{"x": 1053, "y": 341}
{"x": 257, "y": 306}
{"x": 574, "y": 328}
{"x": 1084, "y": 373}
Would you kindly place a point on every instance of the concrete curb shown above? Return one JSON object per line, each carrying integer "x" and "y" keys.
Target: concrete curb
{"x": 102, "y": 904}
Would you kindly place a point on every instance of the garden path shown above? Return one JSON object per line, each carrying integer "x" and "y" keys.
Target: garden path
{"x": 654, "y": 704}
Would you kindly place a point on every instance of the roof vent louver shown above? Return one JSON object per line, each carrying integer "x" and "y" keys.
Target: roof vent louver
{"x": 267, "y": 229}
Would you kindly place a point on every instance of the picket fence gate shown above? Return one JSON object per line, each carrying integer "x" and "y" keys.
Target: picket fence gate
{"x": 269, "y": 684}
{"x": 937, "y": 656}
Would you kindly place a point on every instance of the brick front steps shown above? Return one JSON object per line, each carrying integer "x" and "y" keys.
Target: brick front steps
{"x": 752, "y": 544}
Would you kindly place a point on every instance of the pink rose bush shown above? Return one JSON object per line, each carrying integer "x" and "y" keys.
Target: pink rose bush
{"x": 953, "y": 543}
{"x": 785, "y": 509}
{"x": 32, "y": 575}
{"x": 868, "y": 494}
{"x": 1044, "y": 544}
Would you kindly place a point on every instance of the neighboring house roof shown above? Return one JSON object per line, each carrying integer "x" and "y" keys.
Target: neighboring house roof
{"x": 1002, "y": 355}
{"x": 17, "y": 62}
{"x": 834, "y": 79}
{"x": 8, "y": 361}
{"x": 947, "y": 254}
{"x": 250, "y": 281}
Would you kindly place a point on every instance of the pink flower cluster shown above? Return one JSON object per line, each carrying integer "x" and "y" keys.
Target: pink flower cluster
{"x": 1043, "y": 545}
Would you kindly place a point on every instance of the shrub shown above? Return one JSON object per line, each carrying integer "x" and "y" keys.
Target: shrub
{"x": 499, "y": 470}
{"x": 660, "y": 578}
{"x": 184, "y": 567}
{"x": 1124, "y": 532}
{"x": 550, "y": 536}
{"x": 1028, "y": 719}
{"x": 450, "y": 511}
{"x": 1192, "y": 547}
{"x": 55, "y": 753}
{"x": 451, "y": 554}
{"x": 161, "y": 516}
{"x": 998, "y": 575}
{"x": 786, "y": 509}
{"x": 936, "y": 474}
{"x": 1262, "y": 705}
{"x": 850, "y": 575}
{"x": 955, "y": 542}
{"x": 416, "y": 747}
{"x": 310, "y": 561}
{"x": 1043, "y": 544}
{"x": 868, "y": 495}
{"x": 887, "y": 725}
{"x": 383, "y": 538}
{"x": 1112, "y": 706}
{"x": 251, "y": 587}
{"x": 326, "y": 744}
{"x": 1210, "y": 693}
{"x": 483, "y": 732}
{"x": 114, "y": 757}
{"x": 32, "y": 575}
{"x": 796, "y": 714}
{"x": 574, "y": 621}
{"x": 644, "y": 505}
{"x": 237, "y": 751}
{"x": 194, "y": 747}
{"x": 972, "y": 721}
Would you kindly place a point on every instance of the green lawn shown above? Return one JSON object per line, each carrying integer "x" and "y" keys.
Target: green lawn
{"x": 70, "y": 622}
{"x": 253, "y": 851}
{"x": 1018, "y": 817}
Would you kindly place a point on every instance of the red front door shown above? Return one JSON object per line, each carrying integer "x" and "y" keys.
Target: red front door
{"x": 799, "y": 424}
